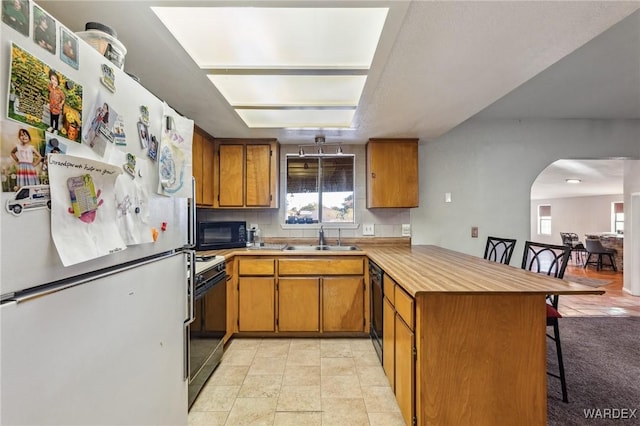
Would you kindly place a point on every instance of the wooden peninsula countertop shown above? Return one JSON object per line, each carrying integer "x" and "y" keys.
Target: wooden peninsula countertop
{"x": 432, "y": 269}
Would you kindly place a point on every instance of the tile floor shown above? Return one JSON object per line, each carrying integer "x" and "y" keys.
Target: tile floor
{"x": 615, "y": 301}
{"x": 306, "y": 381}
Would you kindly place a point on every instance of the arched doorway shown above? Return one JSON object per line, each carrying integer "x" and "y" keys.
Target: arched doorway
{"x": 588, "y": 207}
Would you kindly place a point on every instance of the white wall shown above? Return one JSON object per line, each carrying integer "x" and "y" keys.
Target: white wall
{"x": 489, "y": 167}
{"x": 580, "y": 215}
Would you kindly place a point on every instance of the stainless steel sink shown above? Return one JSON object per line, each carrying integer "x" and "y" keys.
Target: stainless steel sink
{"x": 302, "y": 248}
{"x": 339, "y": 248}
{"x": 323, "y": 248}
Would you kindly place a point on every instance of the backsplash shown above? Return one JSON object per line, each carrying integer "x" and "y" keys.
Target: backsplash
{"x": 387, "y": 222}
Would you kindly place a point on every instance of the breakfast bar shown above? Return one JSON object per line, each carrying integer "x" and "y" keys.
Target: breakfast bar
{"x": 478, "y": 340}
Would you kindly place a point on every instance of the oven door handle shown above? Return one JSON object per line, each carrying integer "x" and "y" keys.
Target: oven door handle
{"x": 187, "y": 353}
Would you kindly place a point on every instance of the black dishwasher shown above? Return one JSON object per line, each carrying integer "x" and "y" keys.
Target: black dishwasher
{"x": 375, "y": 290}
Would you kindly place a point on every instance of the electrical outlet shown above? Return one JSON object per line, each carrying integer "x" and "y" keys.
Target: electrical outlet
{"x": 447, "y": 197}
{"x": 368, "y": 229}
{"x": 406, "y": 229}
{"x": 474, "y": 232}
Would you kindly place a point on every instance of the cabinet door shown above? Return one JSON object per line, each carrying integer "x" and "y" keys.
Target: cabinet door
{"x": 197, "y": 160}
{"x": 299, "y": 304}
{"x": 388, "y": 341}
{"x": 256, "y": 304}
{"x": 343, "y": 304}
{"x": 392, "y": 173}
{"x": 258, "y": 176}
{"x": 230, "y": 173}
{"x": 206, "y": 181}
{"x": 202, "y": 160}
{"x": 405, "y": 369}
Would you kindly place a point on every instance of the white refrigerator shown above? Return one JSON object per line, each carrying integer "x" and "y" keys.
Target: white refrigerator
{"x": 102, "y": 341}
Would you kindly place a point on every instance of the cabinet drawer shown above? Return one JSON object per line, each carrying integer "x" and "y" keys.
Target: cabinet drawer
{"x": 325, "y": 266}
{"x": 388, "y": 289}
{"x": 404, "y": 306}
{"x": 256, "y": 267}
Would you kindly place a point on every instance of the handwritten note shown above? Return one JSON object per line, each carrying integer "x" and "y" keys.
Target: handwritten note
{"x": 83, "y": 208}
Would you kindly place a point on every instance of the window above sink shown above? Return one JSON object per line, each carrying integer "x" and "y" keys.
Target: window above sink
{"x": 319, "y": 189}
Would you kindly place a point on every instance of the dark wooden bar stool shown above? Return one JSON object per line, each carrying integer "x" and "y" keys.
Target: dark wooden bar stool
{"x": 499, "y": 249}
{"x": 550, "y": 260}
{"x": 595, "y": 247}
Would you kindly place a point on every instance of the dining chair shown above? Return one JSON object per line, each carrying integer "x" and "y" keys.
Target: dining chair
{"x": 550, "y": 260}
{"x": 595, "y": 247}
{"x": 499, "y": 249}
{"x": 572, "y": 240}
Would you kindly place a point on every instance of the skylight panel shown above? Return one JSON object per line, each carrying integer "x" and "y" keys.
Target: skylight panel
{"x": 302, "y": 118}
{"x": 262, "y": 37}
{"x": 290, "y": 90}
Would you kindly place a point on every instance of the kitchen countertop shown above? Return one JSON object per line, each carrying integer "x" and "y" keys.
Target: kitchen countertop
{"x": 202, "y": 266}
{"x": 229, "y": 253}
{"x": 432, "y": 269}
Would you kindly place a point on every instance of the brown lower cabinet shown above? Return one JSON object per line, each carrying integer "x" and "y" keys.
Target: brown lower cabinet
{"x": 256, "y": 294}
{"x": 405, "y": 366}
{"x": 342, "y": 304}
{"x": 389, "y": 342}
{"x": 399, "y": 346}
{"x": 256, "y": 305}
{"x": 318, "y": 294}
{"x": 299, "y": 304}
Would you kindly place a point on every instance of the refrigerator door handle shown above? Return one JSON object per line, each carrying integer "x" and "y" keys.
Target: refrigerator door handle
{"x": 187, "y": 356}
{"x": 191, "y": 238}
{"x": 191, "y": 287}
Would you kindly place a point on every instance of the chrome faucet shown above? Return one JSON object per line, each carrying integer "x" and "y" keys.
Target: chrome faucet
{"x": 321, "y": 237}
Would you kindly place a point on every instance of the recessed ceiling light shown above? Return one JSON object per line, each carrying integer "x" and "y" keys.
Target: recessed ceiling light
{"x": 573, "y": 180}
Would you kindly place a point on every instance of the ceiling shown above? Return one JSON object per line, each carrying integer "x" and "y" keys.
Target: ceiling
{"x": 598, "y": 177}
{"x": 438, "y": 63}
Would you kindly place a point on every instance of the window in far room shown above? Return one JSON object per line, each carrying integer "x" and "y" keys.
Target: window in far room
{"x": 617, "y": 217}
{"x": 544, "y": 219}
{"x": 320, "y": 189}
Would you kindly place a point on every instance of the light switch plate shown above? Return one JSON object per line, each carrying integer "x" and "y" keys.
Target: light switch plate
{"x": 368, "y": 229}
{"x": 447, "y": 197}
{"x": 406, "y": 229}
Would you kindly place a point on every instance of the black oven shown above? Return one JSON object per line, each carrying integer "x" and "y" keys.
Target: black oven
{"x": 206, "y": 331}
{"x": 213, "y": 235}
{"x": 375, "y": 280}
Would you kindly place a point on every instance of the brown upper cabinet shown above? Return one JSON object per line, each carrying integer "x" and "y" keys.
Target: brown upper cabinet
{"x": 202, "y": 159}
{"x": 392, "y": 173}
{"x": 246, "y": 173}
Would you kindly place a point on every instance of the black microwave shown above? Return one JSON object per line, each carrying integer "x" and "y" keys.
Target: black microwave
{"x": 220, "y": 235}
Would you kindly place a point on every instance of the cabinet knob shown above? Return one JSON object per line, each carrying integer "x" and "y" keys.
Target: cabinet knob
{"x": 373, "y": 175}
